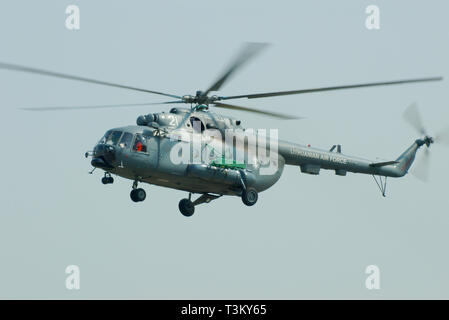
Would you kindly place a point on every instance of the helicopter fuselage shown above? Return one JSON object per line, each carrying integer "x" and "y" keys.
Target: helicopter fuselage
{"x": 154, "y": 165}
{"x": 151, "y": 151}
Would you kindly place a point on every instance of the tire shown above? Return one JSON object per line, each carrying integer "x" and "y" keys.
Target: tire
{"x": 138, "y": 195}
{"x": 249, "y": 196}
{"x": 133, "y": 195}
{"x": 186, "y": 207}
{"x": 107, "y": 180}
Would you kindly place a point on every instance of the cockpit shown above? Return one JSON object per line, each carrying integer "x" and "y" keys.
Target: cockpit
{"x": 111, "y": 137}
{"x": 125, "y": 140}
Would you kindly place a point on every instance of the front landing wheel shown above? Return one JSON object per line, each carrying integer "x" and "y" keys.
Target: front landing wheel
{"x": 107, "y": 180}
{"x": 249, "y": 196}
{"x": 186, "y": 207}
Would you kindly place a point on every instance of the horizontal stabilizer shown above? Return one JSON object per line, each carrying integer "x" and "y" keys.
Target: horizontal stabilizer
{"x": 381, "y": 164}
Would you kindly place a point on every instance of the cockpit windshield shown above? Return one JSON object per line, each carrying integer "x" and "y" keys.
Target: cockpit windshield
{"x": 125, "y": 141}
{"x": 111, "y": 137}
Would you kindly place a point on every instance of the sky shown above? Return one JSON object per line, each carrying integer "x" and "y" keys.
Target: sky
{"x": 307, "y": 237}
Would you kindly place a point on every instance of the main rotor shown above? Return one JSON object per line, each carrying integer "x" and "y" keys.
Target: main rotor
{"x": 247, "y": 52}
{"x": 200, "y": 98}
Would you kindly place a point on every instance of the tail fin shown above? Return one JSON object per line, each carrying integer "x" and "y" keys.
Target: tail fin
{"x": 405, "y": 160}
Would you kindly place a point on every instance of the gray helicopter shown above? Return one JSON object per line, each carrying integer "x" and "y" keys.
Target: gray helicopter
{"x": 150, "y": 151}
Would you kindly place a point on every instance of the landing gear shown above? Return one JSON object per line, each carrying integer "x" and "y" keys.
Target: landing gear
{"x": 186, "y": 207}
{"x": 381, "y": 183}
{"x": 138, "y": 195}
{"x": 107, "y": 179}
{"x": 249, "y": 196}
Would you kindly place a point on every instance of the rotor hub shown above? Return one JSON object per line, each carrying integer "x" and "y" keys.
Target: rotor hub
{"x": 200, "y": 98}
{"x": 428, "y": 141}
{"x": 425, "y": 141}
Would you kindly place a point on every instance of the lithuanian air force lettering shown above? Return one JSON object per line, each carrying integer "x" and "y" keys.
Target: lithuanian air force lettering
{"x": 187, "y": 148}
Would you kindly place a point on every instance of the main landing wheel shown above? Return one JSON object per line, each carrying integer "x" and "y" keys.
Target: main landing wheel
{"x": 138, "y": 195}
{"x": 186, "y": 207}
{"x": 249, "y": 196}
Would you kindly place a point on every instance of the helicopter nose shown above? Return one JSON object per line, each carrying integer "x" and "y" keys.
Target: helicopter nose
{"x": 103, "y": 156}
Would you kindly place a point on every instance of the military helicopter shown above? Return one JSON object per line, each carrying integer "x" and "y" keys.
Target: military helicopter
{"x": 144, "y": 152}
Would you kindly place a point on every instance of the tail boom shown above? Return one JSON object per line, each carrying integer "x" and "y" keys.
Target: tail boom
{"x": 311, "y": 160}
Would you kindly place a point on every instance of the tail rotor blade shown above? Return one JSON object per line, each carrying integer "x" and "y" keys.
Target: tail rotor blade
{"x": 413, "y": 117}
{"x": 443, "y": 137}
{"x": 421, "y": 168}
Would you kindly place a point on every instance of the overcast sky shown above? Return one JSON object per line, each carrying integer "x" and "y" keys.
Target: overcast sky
{"x": 308, "y": 236}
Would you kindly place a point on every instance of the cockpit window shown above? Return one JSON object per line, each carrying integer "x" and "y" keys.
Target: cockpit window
{"x": 126, "y": 140}
{"x": 140, "y": 143}
{"x": 103, "y": 139}
{"x": 114, "y": 137}
{"x": 111, "y": 137}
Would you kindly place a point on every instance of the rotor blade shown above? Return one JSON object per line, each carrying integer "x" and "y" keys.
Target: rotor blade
{"x": 248, "y": 51}
{"x": 15, "y": 67}
{"x": 265, "y": 113}
{"x": 57, "y": 108}
{"x": 413, "y": 117}
{"x": 443, "y": 137}
{"x": 421, "y": 168}
{"x": 372, "y": 84}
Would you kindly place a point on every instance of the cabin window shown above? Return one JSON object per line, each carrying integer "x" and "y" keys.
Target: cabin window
{"x": 126, "y": 140}
{"x": 140, "y": 144}
{"x": 197, "y": 124}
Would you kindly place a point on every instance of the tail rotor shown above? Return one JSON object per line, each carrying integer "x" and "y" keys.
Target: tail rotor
{"x": 443, "y": 137}
{"x": 413, "y": 117}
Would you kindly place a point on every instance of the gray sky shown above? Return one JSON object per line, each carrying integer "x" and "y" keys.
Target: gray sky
{"x": 307, "y": 237}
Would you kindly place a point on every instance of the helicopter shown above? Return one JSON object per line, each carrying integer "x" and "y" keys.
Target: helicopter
{"x": 149, "y": 151}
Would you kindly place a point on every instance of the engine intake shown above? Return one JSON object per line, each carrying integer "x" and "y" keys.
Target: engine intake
{"x": 144, "y": 120}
